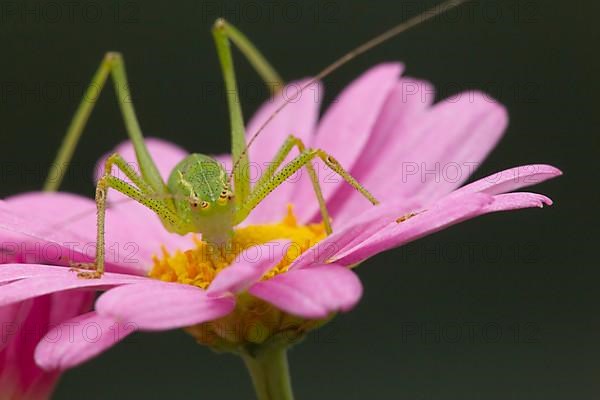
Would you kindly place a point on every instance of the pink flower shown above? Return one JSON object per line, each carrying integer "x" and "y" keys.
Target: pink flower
{"x": 24, "y": 324}
{"x": 412, "y": 155}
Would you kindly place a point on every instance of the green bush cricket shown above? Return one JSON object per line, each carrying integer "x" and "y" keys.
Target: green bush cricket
{"x": 198, "y": 196}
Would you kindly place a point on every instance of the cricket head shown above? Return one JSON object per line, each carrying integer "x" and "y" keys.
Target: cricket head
{"x": 203, "y": 198}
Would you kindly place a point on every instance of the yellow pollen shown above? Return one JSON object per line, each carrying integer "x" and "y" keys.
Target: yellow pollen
{"x": 199, "y": 266}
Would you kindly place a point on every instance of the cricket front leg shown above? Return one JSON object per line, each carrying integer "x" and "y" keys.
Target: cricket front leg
{"x": 142, "y": 195}
{"x": 291, "y": 142}
{"x": 96, "y": 269}
{"x": 262, "y": 191}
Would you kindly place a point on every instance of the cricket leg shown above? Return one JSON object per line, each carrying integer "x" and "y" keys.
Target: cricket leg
{"x": 336, "y": 167}
{"x": 291, "y": 142}
{"x": 240, "y": 172}
{"x": 142, "y": 195}
{"x": 262, "y": 191}
{"x": 112, "y": 65}
{"x": 266, "y": 71}
{"x": 223, "y": 34}
{"x": 117, "y": 160}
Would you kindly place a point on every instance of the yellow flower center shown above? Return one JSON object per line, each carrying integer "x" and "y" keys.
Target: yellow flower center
{"x": 201, "y": 264}
{"x": 253, "y": 321}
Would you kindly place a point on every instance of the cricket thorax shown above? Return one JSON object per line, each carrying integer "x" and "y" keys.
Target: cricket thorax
{"x": 203, "y": 198}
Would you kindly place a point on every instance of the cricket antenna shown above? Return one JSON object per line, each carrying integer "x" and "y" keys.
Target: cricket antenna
{"x": 390, "y": 33}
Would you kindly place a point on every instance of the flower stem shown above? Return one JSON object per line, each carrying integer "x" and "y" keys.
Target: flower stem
{"x": 270, "y": 373}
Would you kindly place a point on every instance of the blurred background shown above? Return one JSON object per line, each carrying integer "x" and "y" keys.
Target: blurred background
{"x": 501, "y": 307}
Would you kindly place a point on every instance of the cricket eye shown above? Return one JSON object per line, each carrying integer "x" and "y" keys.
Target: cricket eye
{"x": 194, "y": 202}
{"x": 225, "y": 196}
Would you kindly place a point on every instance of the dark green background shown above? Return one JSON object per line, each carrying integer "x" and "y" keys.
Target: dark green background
{"x": 533, "y": 275}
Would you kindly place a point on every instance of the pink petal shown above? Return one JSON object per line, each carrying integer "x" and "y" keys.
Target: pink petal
{"x": 445, "y": 213}
{"x": 15, "y": 272}
{"x": 444, "y": 146}
{"x": 11, "y": 317}
{"x": 160, "y": 305}
{"x": 352, "y": 233}
{"x": 464, "y": 132}
{"x": 66, "y": 305}
{"x": 43, "y": 284}
{"x": 311, "y": 293}
{"x": 64, "y": 226}
{"x": 50, "y": 217}
{"x": 248, "y": 267}
{"x": 393, "y": 133}
{"x": 506, "y": 180}
{"x": 79, "y": 339}
{"x": 511, "y": 179}
{"x": 298, "y": 118}
{"x": 517, "y": 201}
{"x": 345, "y": 130}
{"x": 20, "y": 377}
{"x": 449, "y": 211}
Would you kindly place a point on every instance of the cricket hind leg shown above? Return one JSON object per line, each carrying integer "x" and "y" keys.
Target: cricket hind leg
{"x": 141, "y": 192}
{"x": 272, "y": 79}
{"x": 112, "y": 65}
{"x": 223, "y": 34}
{"x": 266, "y": 186}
